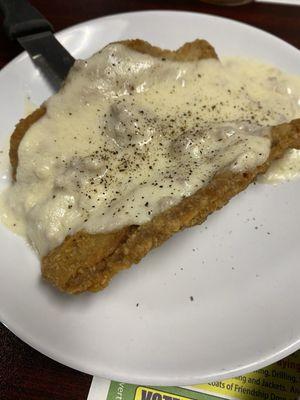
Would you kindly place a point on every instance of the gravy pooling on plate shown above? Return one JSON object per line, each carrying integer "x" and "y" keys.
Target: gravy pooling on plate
{"x": 130, "y": 135}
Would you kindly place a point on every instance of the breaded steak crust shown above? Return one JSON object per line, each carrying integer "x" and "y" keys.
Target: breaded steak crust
{"x": 87, "y": 262}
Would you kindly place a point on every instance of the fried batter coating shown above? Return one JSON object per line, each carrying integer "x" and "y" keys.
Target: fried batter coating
{"x": 87, "y": 262}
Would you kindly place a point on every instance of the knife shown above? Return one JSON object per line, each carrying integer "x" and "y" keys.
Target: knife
{"x": 25, "y": 24}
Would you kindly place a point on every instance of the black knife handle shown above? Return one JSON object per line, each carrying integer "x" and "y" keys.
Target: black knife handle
{"x": 21, "y": 18}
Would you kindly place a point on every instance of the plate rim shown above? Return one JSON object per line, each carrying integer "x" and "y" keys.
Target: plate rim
{"x": 196, "y": 378}
{"x": 220, "y": 376}
{"x": 23, "y": 54}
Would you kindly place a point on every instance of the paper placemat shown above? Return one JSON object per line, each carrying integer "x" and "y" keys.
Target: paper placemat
{"x": 279, "y": 381}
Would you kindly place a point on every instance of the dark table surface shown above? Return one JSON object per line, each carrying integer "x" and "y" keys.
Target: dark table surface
{"x": 25, "y": 373}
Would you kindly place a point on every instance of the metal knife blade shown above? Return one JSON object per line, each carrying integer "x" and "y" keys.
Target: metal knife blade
{"x": 52, "y": 59}
{"x": 26, "y": 24}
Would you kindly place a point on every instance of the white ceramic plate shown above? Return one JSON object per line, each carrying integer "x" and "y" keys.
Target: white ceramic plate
{"x": 241, "y": 267}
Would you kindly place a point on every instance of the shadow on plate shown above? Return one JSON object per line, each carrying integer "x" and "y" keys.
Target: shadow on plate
{"x": 66, "y": 300}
